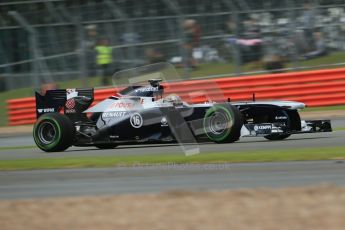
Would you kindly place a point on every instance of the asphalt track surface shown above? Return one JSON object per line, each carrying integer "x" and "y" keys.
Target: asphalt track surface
{"x": 106, "y": 181}
{"x": 245, "y": 144}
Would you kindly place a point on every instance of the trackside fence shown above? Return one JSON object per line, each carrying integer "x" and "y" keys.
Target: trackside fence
{"x": 314, "y": 88}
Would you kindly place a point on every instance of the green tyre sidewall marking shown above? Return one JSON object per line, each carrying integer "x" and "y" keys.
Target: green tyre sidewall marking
{"x": 208, "y": 113}
{"x": 56, "y": 141}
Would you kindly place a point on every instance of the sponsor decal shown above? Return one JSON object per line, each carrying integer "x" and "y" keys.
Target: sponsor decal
{"x": 146, "y": 89}
{"x": 70, "y": 111}
{"x": 122, "y": 105}
{"x": 164, "y": 122}
{"x": 280, "y": 118}
{"x": 136, "y": 120}
{"x": 70, "y": 104}
{"x": 262, "y": 127}
{"x": 70, "y": 93}
{"x": 113, "y": 114}
{"x": 46, "y": 110}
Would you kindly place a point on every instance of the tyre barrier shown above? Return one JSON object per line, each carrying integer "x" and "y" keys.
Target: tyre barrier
{"x": 314, "y": 88}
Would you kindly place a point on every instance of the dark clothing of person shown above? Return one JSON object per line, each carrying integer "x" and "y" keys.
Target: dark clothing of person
{"x": 106, "y": 73}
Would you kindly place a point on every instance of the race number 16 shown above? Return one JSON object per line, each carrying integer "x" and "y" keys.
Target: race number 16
{"x": 136, "y": 120}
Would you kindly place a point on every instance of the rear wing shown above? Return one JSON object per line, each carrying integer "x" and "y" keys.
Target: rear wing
{"x": 71, "y": 101}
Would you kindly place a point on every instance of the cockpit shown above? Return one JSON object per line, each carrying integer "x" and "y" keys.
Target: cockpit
{"x": 174, "y": 99}
{"x": 154, "y": 90}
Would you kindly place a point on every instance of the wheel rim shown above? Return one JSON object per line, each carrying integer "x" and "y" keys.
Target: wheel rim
{"x": 218, "y": 123}
{"x": 47, "y": 133}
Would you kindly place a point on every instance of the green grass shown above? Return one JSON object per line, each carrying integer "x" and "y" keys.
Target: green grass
{"x": 336, "y": 57}
{"x": 325, "y": 108}
{"x": 17, "y": 147}
{"x": 301, "y": 154}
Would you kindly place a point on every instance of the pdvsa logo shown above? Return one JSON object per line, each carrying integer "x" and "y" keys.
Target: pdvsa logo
{"x": 122, "y": 105}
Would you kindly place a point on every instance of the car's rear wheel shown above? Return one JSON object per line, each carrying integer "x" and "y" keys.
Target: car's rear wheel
{"x": 223, "y": 123}
{"x": 53, "y": 132}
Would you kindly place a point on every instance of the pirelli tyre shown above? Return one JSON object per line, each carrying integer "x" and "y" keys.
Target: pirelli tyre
{"x": 53, "y": 132}
{"x": 222, "y": 123}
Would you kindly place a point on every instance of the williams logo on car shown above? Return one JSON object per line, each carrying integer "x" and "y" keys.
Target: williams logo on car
{"x": 46, "y": 110}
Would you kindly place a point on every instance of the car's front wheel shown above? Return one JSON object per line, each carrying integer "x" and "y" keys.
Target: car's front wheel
{"x": 223, "y": 123}
{"x": 53, "y": 132}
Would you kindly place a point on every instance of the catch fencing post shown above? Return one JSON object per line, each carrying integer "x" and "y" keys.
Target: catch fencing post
{"x": 76, "y": 21}
{"x": 36, "y": 64}
{"x": 33, "y": 43}
{"x": 292, "y": 27}
{"x": 236, "y": 55}
{"x": 180, "y": 19}
{"x": 53, "y": 35}
{"x": 115, "y": 10}
{"x": 81, "y": 53}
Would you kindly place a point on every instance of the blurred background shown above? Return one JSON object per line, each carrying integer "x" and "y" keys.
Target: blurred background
{"x": 83, "y": 42}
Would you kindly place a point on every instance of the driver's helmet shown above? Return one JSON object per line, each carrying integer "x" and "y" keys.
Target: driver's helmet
{"x": 173, "y": 98}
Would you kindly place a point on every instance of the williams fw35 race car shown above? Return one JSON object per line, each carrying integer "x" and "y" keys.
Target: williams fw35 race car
{"x": 143, "y": 114}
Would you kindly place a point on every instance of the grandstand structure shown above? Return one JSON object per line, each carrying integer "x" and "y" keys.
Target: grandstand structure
{"x": 43, "y": 41}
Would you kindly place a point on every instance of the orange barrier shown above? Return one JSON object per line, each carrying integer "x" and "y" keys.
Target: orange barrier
{"x": 315, "y": 88}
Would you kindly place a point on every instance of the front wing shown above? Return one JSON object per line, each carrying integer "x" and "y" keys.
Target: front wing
{"x": 265, "y": 129}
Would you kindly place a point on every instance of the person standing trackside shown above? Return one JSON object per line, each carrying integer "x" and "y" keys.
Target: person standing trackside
{"x": 192, "y": 33}
{"x": 104, "y": 59}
